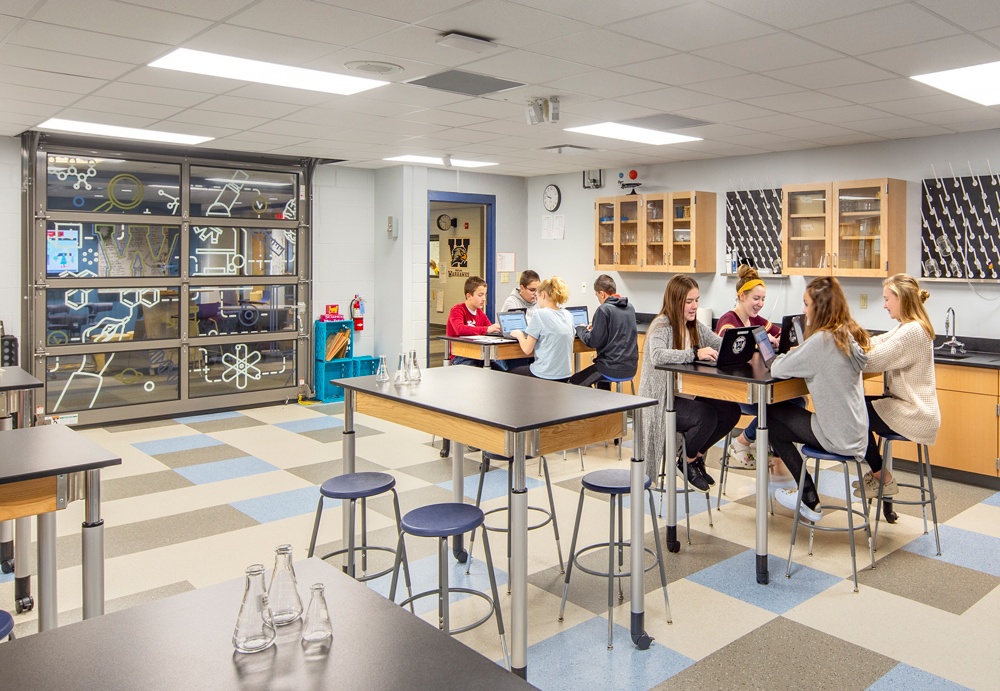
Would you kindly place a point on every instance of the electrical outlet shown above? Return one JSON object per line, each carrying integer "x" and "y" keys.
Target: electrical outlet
{"x": 864, "y": 301}
{"x": 504, "y": 277}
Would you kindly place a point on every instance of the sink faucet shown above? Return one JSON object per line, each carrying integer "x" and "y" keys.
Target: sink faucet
{"x": 951, "y": 323}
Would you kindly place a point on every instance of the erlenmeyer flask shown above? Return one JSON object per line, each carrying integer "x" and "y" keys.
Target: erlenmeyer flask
{"x": 316, "y": 621}
{"x": 254, "y": 631}
{"x": 382, "y": 373}
{"x": 282, "y": 593}
{"x": 400, "y": 377}
{"x": 414, "y": 370}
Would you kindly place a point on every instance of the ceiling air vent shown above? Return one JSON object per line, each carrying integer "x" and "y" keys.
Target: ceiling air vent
{"x": 459, "y": 82}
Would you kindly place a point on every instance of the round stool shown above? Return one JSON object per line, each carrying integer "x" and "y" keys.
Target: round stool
{"x": 926, "y": 493}
{"x": 6, "y": 625}
{"x": 352, "y": 487}
{"x": 444, "y": 521}
{"x": 818, "y": 454}
{"x": 616, "y": 483}
{"x": 550, "y": 513}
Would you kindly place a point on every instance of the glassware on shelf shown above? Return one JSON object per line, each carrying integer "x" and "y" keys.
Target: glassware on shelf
{"x": 400, "y": 377}
{"x": 382, "y": 373}
{"x": 316, "y": 626}
{"x": 283, "y": 592}
{"x": 414, "y": 370}
{"x": 254, "y": 628}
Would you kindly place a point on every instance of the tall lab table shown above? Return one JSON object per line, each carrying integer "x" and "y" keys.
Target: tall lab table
{"x": 495, "y": 347}
{"x": 49, "y": 467}
{"x": 514, "y": 416}
{"x": 185, "y": 642}
{"x": 749, "y": 383}
{"x": 17, "y": 404}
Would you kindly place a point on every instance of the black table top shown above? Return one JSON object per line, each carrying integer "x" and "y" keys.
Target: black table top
{"x": 33, "y": 452}
{"x": 185, "y": 642}
{"x": 752, "y": 372}
{"x": 508, "y": 401}
{"x": 15, "y": 379}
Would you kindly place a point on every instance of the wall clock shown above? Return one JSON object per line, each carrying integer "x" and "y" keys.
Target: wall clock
{"x": 551, "y": 197}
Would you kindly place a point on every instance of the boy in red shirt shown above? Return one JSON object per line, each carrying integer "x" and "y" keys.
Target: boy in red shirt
{"x": 469, "y": 318}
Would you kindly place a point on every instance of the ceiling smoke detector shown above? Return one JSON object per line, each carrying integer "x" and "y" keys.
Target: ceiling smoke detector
{"x": 373, "y": 67}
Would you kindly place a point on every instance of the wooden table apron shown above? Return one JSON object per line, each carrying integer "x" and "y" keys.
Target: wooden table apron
{"x": 595, "y": 416}
{"x": 508, "y": 350}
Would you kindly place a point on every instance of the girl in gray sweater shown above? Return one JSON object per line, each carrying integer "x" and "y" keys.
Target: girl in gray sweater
{"x": 677, "y": 336}
{"x": 831, "y": 361}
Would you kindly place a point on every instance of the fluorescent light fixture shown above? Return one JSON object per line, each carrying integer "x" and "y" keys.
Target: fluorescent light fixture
{"x": 979, "y": 83}
{"x": 216, "y": 65}
{"x": 463, "y": 42}
{"x": 435, "y": 161}
{"x": 614, "y": 130}
{"x": 121, "y": 132}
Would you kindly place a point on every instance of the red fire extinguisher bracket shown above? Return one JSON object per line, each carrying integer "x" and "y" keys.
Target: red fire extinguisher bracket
{"x": 358, "y": 312}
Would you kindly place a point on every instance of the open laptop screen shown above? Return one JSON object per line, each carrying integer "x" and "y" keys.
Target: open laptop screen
{"x": 580, "y": 315}
{"x": 764, "y": 345}
{"x": 512, "y": 321}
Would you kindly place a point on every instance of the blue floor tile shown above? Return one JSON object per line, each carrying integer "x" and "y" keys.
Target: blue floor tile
{"x": 209, "y": 417}
{"x": 902, "y": 677}
{"x": 578, "y": 658}
{"x": 6, "y": 577}
{"x": 962, "y": 548}
{"x": 993, "y": 500}
{"x": 224, "y": 470}
{"x": 732, "y": 577}
{"x": 274, "y": 507}
{"x": 194, "y": 441}
{"x": 494, "y": 485}
{"x": 311, "y": 424}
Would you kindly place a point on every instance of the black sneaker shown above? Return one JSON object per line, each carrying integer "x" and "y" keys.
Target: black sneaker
{"x": 694, "y": 478}
{"x": 700, "y": 467}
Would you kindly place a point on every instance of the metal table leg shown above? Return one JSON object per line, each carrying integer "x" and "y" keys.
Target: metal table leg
{"x": 48, "y": 607}
{"x": 640, "y": 638}
{"x": 93, "y": 548}
{"x": 670, "y": 447}
{"x": 458, "y": 495}
{"x": 349, "y": 463}
{"x": 519, "y": 562}
{"x": 763, "y": 453}
{"x": 23, "y": 602}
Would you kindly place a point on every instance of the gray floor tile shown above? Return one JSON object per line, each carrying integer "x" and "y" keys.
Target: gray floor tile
{"x": 138, "y": 485}
{"x": 440, "y": 470}
{"x": 206, "y": 454}
{"x": 336, "y": 434}
{"x": 318, "y": 473}
{"x": 225, "y": 424}
{"x": 146, "y": 424}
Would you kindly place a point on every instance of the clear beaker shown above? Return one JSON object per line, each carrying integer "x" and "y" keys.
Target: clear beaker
{"x": 382, "y": 373}
{"x": 401, "y": 377}
{"x": 316, "y": 626}
{"x": 414, "y": 369}
{"x": 283, "y": 592}
{"x": 254, "y": 629}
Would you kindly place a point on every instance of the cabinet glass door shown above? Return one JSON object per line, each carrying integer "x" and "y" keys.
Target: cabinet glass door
{"x": 679, "y": 248}
{"x": 655, "y": 255}
{"x": 606, "y": 233}
{"x": 805, "y": 234}
{"x": 858, "y": 245}
{"x": 628, "y": 230}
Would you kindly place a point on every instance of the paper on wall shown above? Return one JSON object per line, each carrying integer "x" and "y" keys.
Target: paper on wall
{"x": 546, "y": 227}
{"x": 559, "y": 227}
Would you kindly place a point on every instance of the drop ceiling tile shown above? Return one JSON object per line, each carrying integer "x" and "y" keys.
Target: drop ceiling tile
{"x": 606, "y": 111}
{"x": 973, "y": 125}
{"x": 152, "y": 94}
{"x": 774, "y": 123}
{"x": 336, "y": 62}
{"x": 843, "y": 114}
{"x": 487, "y": 107}
{"x": 883, "y": 90}
{"x": 920, "y": 131}
{"x": 867, "y": 32}
{"x": 301, "y": 129}
{"x": 200, "y": 116}
{"x": 329, "y": 117}
{"x": 716, "y": 132}
{"x": 744, "y": 87}
{"x": 145, "y": 109}
{"x": 603, "y": 84}
{"x": 198, "y": 130}
{"x": 824, "y": 75}
{"x": 357, "y": 103}
{"x": 991, "y": 35}
{"x": 525, "y": 67}
{"x": 599, "y": 48}
{"x": 924, "y": 104}
{"x": 402, "y": 10}
{"x": 790, "y": 14}
{"x": 727, "y": 112}
{"x": 7, "y": 24}
{"x": 18, "y": 8}
{"x": 215, "y": 10}
{"x": 506, "y": 127}
{"x": 13, "y": 124}
{"x": 234, "y": 104}
{"x": 281, "y": 94}
{"x": 62, "y": 63}
{"x": 313, "y": 21}
{"x": 230, "y": 144}
{"x": 259, "y": 137}
{"x": 770, "y": 52}
{"x": 675, "y": 27}
{"x": 119, "y": 19}
{"x": 106, "y": 118}
{"x": 172, "y": 79}
{"x": 49, "y": 80}
{"x": 933, "y": 56}
{"x": 970, "y": 14}
{"x": 463, "y": 136}
{"x": 798, "y": 102}
{"x": 404, "y": 127}
{"x": 263, "y": 45}
{"x": 671, "y": 99}
{"x": 848, "y": 139}
{"x": 680, "y": 69}
{"x": 19, "y": 92}
{"x": 418, "y": 43}
{"x": 950, "y": 118}
{"x": 885, "y": 126}
{"x": 791, "y": 145}
{"x": 816, "y": 131}
{"x": 504, "y": 22}
{"x": 42, "y": 111}
{"x": 411, "y": 95}
{"x": 442, "y": 117}
{"x": 91, "y": 44}
{"x": 364, "y": 136}
{"x": 487, "y": 148}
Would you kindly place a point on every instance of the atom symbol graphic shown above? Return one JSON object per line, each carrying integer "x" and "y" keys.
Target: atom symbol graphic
{"x": 241, "y": 366}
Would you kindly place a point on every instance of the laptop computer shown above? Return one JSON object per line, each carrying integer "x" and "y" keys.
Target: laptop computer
{"x": 789, "y": 333}
{"x": 764, "y": 346}
{"x": 737, "y": 348}
{"x": 511, "y": 321}
{"x": 581, "y": 317}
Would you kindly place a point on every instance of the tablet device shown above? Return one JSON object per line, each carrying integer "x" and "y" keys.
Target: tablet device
{"x": 581, "y": 316}
{"x": 764, "y": 346}
{"x": 511, "y": 321}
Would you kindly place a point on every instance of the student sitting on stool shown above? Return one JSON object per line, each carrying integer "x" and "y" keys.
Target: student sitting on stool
{"x": 549, "y": 336}
{"x": 524, "y": 297}
{"x": 613, "y": 335}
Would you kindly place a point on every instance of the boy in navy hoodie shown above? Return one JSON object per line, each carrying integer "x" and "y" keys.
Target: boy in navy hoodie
{"x": 612, "y": 333}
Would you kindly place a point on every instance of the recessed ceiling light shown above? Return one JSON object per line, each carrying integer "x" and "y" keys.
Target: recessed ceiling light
{"x": 121, "y": 132}
{"x": 614, "y": 130}
{"x": 979, "y": 83}
{"x": 435, "y": 161}
{"x": 216, "y": 65}
{"x": 373, "y": 66}
{"x": 464, "y": 42}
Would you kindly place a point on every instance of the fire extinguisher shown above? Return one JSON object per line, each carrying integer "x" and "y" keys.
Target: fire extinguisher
{"x": 358, "y": 312}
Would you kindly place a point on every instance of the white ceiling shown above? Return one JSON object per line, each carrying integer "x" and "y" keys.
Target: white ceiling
{"x": 769, "y": 75}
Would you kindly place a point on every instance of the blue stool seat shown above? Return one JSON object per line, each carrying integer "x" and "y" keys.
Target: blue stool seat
{"x": 813, "y": 452}
{"x": 893, "y": 436}
{"x": 612, "y": 481}
{"x": 616, "y": 380}
{"x": 442, "y": 520}
{"x": 6, "y": 623}
{"x": 357, "y": 485}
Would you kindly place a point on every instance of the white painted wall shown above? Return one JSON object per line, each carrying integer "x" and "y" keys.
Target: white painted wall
{"x": 909, "y": 159}
{"x": 10, "y": 235}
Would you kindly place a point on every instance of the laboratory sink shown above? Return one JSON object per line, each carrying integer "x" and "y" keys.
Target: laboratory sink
{"x": 951, "y": 356}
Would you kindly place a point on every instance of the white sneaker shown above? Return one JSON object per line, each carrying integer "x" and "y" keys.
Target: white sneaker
{"x": 741, "y": 455}
{"x": 774, "y": 485}
{"x": 788, "y": 499}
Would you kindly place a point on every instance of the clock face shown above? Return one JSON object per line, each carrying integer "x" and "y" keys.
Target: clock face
{"x": 444, "y": 221}
{"x": 551, "y": 197}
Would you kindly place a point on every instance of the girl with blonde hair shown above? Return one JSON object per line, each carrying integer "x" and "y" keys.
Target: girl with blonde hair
{"x": 549, "y": 336}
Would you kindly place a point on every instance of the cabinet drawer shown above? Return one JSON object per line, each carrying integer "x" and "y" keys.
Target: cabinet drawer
{"x": 967, "y": 379}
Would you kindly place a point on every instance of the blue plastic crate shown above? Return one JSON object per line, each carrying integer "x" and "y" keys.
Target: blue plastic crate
{"x": 365, "y": 365}
{"x": 326, "y": 330}
{"x": 341, "y": 368}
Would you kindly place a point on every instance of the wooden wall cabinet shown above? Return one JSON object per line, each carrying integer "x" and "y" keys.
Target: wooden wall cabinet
{"x": 618, "y": 233}
{"x": 848, "y": 228}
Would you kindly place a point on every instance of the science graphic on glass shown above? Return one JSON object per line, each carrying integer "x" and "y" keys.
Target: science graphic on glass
{"x": 960, "y": 225}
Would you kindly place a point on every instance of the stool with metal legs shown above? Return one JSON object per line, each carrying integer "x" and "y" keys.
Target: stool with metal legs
{"x": 724, "y": 464}
{"x": 444, "y": 521}
{"x": 686, "y": 490}
{"x": 618, "y": 388}
{"x": 550, "y": 513}
{"x": 852, "y": 513}
{"x": 617, "y": 484}
{"x": 352, "y": 487}
{"x": 926, "y": 493}
{"x": 6, "y": 625}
